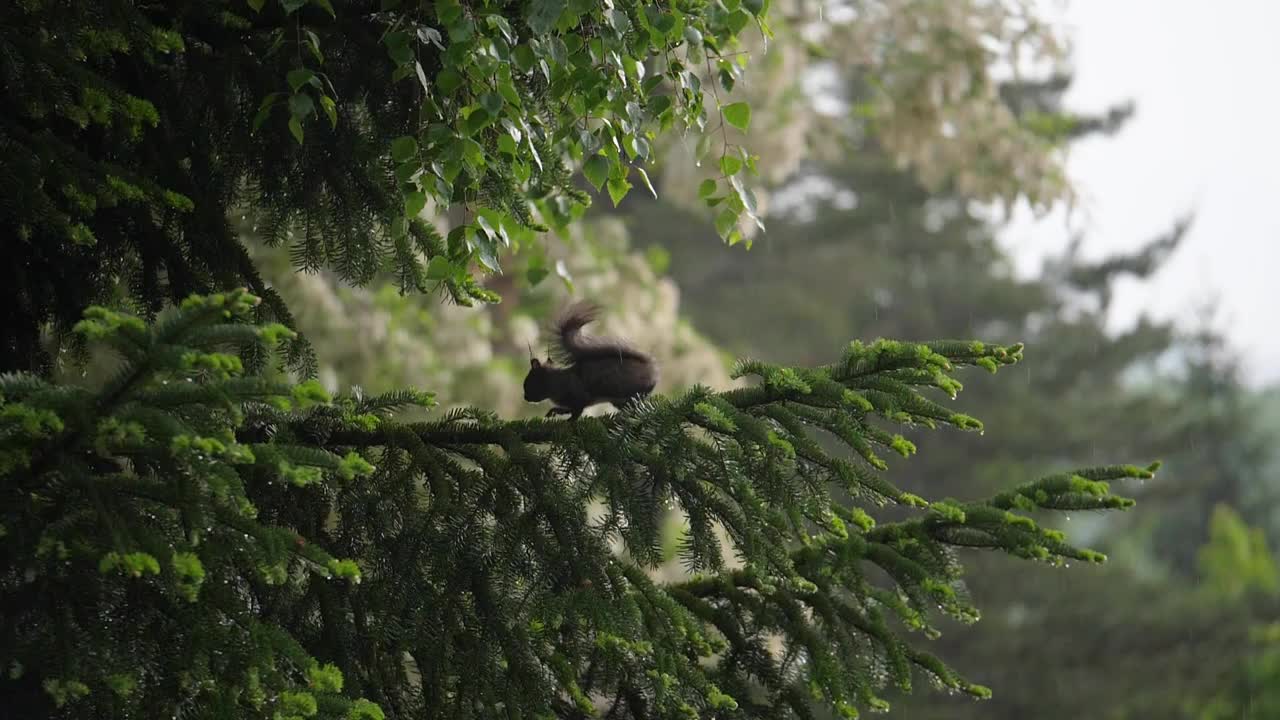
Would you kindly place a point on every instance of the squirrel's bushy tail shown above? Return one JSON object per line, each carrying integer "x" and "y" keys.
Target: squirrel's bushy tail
{"x": 569, "y": 324}
{"x": 572, "y": 345}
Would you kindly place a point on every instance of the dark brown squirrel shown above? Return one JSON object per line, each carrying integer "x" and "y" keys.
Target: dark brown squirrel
{"x": 588, "y": 371}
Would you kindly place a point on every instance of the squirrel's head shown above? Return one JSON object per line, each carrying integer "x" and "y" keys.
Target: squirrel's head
{"x": 536, "y": 383}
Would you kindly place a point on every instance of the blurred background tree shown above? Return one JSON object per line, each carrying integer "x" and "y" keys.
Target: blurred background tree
{"x": 858, "y": 244}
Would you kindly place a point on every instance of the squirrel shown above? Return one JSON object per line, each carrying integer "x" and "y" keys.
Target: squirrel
{"x": 588, "y": 371}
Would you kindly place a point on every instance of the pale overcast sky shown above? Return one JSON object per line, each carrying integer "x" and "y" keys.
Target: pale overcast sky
{"x": 1205, "y": 138}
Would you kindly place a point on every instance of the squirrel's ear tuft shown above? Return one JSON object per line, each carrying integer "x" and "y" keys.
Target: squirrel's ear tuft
{"x": 533, "y": 363}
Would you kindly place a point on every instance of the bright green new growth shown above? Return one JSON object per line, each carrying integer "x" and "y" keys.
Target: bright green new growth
{"x": 453, "y": 568}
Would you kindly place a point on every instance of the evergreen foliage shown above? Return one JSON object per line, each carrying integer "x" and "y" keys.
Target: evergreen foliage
{"x": 192, "y": 540}
{"x": 199, "y": 538}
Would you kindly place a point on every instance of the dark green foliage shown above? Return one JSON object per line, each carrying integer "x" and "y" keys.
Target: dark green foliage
{"x": 129, "y": 133}
{"x": 141, "y": 577}
{"x": 173, "y": 541}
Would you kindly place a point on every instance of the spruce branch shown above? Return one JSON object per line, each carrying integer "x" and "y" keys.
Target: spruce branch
{"x": 491, "y": 561}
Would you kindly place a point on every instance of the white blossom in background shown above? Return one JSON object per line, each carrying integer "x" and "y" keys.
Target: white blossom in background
{"x": 936, "y": 109}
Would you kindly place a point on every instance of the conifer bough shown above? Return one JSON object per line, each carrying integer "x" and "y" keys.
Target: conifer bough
{"x": 193, "y": 541}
